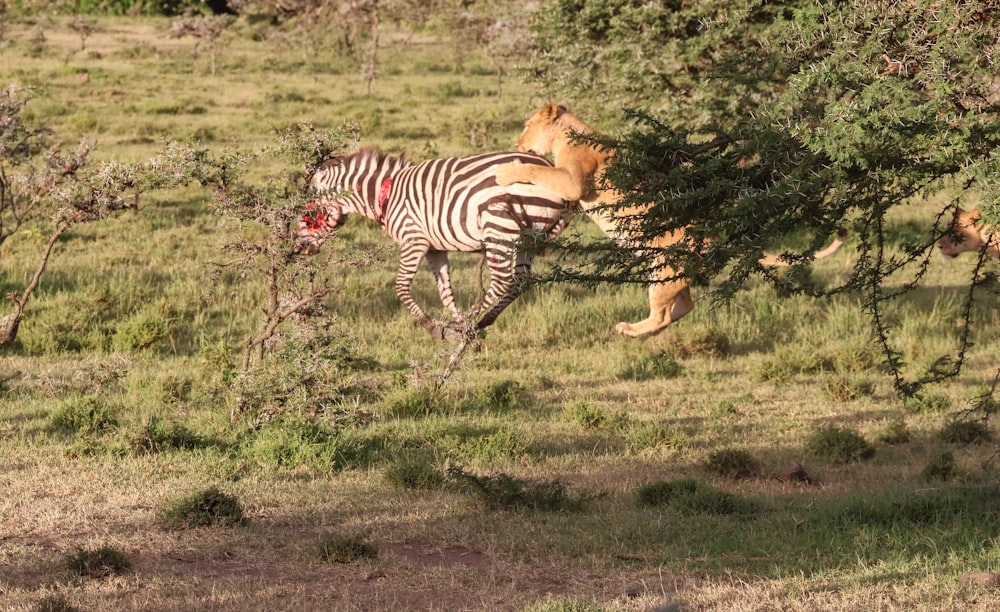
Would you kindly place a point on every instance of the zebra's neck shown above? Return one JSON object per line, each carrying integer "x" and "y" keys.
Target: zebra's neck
{"x": 375, "y": 186}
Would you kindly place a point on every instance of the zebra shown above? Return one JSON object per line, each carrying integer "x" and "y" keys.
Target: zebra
{"x": 436, "y": 207}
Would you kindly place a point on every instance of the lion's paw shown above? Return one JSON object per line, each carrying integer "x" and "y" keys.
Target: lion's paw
{"x": 507, "y": 173}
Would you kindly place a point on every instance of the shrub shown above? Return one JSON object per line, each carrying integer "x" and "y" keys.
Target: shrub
{"x": 590, "y": 416}
{"x": 414, "y": 472}
{"x": 503, "y": 491}
{"x": 208, "y": 507}
{"x": 894, "y": 432}
{"x": 733, "y": 463}
{"x": 846, "y": 388}
{"x": 498, "y": 397}
{"x": 839, "y": 445}
{"x": 655, "y": 365}
{"x": 54, "y": 603}
{"x": 157, "y": 435}
{"x": 346, "y": 550}
{"x": 688, "y": 496}
{"x": 504, "y": 443}
{"x": 81, "y": 414}
{"x": 100, "y": 563}
{"x": 417, "y": 402}
{"x": 926, "y": 403}
{"x": 645, "y": 436}
{"x": 140, "y": 332}
{"x": 293, "y": 442}
{"x": 940, "y": 467}
{"x": 965, "y": 432}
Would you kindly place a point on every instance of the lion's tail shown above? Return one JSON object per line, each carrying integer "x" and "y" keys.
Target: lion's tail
{"x": 777, "y": 260}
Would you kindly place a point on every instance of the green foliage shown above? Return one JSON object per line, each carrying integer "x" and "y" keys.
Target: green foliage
{"x": 838, "y": 445}
{"x": 588, "y": 415}
{"x": 652, "y": 366}
{"x": 346, "y": 550}
{"x": 417, "y": 402}
{"x": 502, "y": 444}
{"x": 414, "y": 471}
{"x": 553, "y": 603}
{"x": 940, "y": 467}
{"x": 140, "y": 332}
{"x": 733, "y": 463}
{"x": 99, "y": 563}
{"x": 300, "y": 441}
{"x": 965, "y": 432}
{"x": 82, "y": 414}
{"x": 498, "y": 397}
{"x": 648, "y": 436}
{"x": 158, "y": 434}
{"x": 504, "y": 492}
{"x": 926, "y": 403}
{"x": 208, "y": 507}
{"x": 690, "y": 497}
{"x": 894, "y": 432}
{"x": 935, "y": 506}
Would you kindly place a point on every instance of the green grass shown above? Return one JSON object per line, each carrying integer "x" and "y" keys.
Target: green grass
{"x": 594, "y": 461}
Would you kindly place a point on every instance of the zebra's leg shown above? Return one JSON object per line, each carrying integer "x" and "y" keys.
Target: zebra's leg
{"x": 409, "y": 260}
{"x": 507, "y": 276}
{"x": 437, "y": 261}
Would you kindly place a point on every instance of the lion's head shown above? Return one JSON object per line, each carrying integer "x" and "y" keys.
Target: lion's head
{"x": 541, "y": 130}
{"x": 965, "y": 234}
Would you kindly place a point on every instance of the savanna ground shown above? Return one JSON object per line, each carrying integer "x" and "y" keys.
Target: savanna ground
{"x": 643, "y": 473}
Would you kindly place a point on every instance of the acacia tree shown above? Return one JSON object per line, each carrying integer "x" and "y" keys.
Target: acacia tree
{"x": 749, "y": 120}
{"x": 44, "y": 189}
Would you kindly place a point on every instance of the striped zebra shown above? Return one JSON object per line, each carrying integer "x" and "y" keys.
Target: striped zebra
{"x": 435, "y": 207}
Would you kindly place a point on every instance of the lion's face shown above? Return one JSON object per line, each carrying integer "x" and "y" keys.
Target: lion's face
{"x": 964, "y": 235}
{"x": 540, "y": 131}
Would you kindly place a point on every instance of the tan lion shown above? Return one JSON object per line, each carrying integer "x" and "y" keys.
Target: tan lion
{"x": 968, "y": 233}
{"x": 578, "y": 166}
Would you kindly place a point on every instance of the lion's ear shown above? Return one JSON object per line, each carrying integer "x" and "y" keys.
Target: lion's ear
{"x": 551, "y": 112}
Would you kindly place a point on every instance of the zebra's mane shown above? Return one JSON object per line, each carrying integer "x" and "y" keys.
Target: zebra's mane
{"x": 378, "y": 158}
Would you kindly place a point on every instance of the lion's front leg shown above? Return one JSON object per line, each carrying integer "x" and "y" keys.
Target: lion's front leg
{"x": 511, "y": 172}
{"x": 557, "y": 180}
{"x": 668, "y": 302}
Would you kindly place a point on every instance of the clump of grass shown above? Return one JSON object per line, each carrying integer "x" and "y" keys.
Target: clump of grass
{"x": 789, "y": 361}
{"x": 690, "y": 497}
{"x": 414, "y": 472}
{"x": 894, "y": 432}
{"x": 417, "y": 402}
{"x": 647, "y": 436}
{"x": 733, "y": 463}
{"x": 81, "y": 414}
{"x": 99, "y": 563}
{"x": 346, "y": 549}
{"x": 965, "y": 432}
{"x": 208, "y": 507}
{"x": 140, "y": 332}
{"x": 500, "y": 397}
{"x": 300, "y": 441}
{"x": 157, "y": 435}
{"x": 656, "y": 365}
{"x": 846, "y": 388}
{"x": 926, "y": 403}
{"x": 591, "y": 416}
{"x": 839, "y": 445}
{"x": 557, "y": 604}
{"x": 708, "y": 344}
{"x": 504, "y": 443}
{"x": 940, "y": 467}
{"x": 504, "y": 492}
{"x": 54, "y": 603}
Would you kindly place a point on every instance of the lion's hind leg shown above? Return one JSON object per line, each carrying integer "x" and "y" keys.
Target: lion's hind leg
{"x": 668, "y": 301}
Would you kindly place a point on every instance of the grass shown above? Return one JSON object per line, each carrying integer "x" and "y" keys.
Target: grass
{"x": 600, "y": 472}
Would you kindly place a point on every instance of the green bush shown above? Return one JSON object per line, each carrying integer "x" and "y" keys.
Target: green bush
{"x": 940, "y": 467}
{"x": 839, "y": 445}
{"x": 926, "y": 403}
{"x": 503, "y": 491}
{"x": 689, "y": 497}
{"x": 346, "y": 550}
{"x": 81, "y": 414}
{"x": 99, "y": 563}
{"x": 653, "y": 366}
{"x": 208, "y": 507}
{"x": 965, "y": 432}
{"x": 414, "y": 472}
{"x": 733, "y": 463}
{"x": 591, "y": 416}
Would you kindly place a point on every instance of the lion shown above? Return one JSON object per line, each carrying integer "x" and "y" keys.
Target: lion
{"x": 576, "y": 175}
{"x": 967, "y": 233}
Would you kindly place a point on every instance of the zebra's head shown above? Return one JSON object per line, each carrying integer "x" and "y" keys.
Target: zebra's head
{"x": 322, "y": 218}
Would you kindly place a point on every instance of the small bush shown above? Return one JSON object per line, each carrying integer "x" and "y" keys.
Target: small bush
{"x": 506, "y": 492}
{"x": 656, "y": 365}
{"x": 733, "y": 463}
{"x": 157, "y": 435}
{"x": 504, "y": 443}
{"x": 346, "y": 550}
{"x": 839, "y": 445}
{"x": 689, "y": 497}
{"x": 846, "y": 388}
{"x": 140, "y": 332}
{"x": 940, "y": 467}
{"x": 497, "y": 398}
{"x": 646, "y": 436}
{"x": 708, "y": 344}
{"x": 417, "y": 403}
{"x": 413, "y": 472}
{"x": 965, "y": 432}
{"x": 100, "y": 563}
{"x": 208, "y": 507}
{"x": 81, "y": 414}
{"x": 556, "y": 604}
{"x": 894, "y": 432}
{"x": 926, "y": 403}
{"x": 590, "y": 416}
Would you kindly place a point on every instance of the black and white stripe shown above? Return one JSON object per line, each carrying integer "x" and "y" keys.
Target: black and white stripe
{"x": 436, "y": 207}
